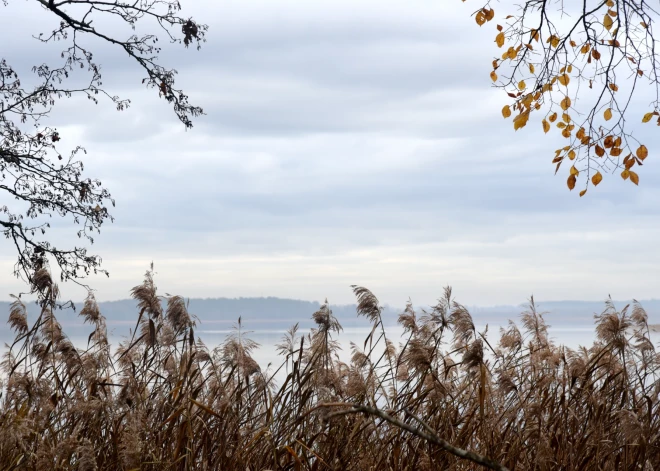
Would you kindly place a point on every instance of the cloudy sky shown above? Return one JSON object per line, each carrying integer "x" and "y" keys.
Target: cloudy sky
{"x": 343, "y": 143}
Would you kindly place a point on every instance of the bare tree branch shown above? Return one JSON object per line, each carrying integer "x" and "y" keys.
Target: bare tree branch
{"x": 427, "y": 434}
{"x": 33, "y": 172}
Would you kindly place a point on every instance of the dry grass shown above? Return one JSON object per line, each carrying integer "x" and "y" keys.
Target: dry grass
{"x": 163, "y": 401}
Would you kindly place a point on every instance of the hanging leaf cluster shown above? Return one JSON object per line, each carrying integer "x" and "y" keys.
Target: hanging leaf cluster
{"x": 576, "y": 66}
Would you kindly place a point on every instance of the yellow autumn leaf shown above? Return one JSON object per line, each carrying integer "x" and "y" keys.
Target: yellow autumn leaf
{"x": 571, "y": 154}
{"x": 499, "y": 39}
{"x": 506, "y": 111}
{"x": 546, "y": 126}
{"x": 565, "y": 103}
{"x": 596, "y": 179}
{"x": 571, "y": 182}
{"x": 522, "y": 85}
{"x": 608, "y": 114}
{"x": 520, "y": 121}
{"x": 564, "y": 79}
{"x": 642, "y": 152}
{"x": 531, "y": 68}
{"x": 600, "y": 151}
{"x": 512, "y": 53}
{"x": 583, "y": 192}
{"x": 574, "y": 171}
{"x": 480, "y": 18}
{"x": 552, "y": 118}
{"x": 634, "y": 177}
{"x": 608, "y": 22}
{"x": 647, "y": 117}
{"x": 493, "y": 76}
{"x": 625, "y": 174}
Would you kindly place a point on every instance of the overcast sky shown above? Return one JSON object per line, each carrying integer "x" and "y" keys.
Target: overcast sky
{"x": 343, "y": 143}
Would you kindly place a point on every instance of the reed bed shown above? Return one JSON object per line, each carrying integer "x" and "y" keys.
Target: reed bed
{"x": 445, "y": 397}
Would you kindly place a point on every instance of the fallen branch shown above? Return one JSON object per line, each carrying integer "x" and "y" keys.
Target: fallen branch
{"x": 427, "y": 435}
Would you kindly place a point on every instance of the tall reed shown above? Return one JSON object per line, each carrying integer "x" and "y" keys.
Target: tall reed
{"x": 163, "y": 401}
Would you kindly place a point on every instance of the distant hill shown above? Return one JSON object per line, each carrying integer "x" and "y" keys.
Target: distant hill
{"x": 564, "y": 312}
{"x": 219, "y": 312}
{"x": 279, "y": 314}
{"x": 213, "y": 314}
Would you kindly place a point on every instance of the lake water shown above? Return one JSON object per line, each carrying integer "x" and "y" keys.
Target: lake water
{"x": 570, "y": 336}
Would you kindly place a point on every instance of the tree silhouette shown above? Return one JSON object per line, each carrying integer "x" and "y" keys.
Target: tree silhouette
{"x": 42, "y": 182}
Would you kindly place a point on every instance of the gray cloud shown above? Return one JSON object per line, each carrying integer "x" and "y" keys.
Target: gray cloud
{"x": 348, "y": 143}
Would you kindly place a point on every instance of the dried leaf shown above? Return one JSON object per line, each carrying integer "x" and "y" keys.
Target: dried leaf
{"x": 642, "y": 152}
{"x": 597, "y": 178}
{"x": 520, "y": 121}
{"x": 480, "y": 18}
{"x": 634, "y": 177}
{"x": 571, "y": 182}
{"x": 499, "y": 39}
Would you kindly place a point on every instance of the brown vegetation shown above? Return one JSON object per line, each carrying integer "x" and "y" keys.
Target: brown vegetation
{"x": 163, "y": 401}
